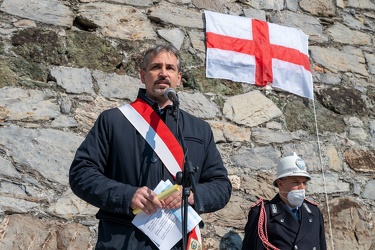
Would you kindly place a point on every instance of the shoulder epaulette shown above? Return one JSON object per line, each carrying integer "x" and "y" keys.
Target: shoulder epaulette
{"x": 257, "y": 203}
{"x": 311, "y": 202}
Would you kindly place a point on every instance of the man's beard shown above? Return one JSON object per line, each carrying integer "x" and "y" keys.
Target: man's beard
{"x": 159, "y": 92}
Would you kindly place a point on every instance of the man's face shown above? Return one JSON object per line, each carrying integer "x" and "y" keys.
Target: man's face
{"x": 161, "y": 73}
{"x": 291, "y": 183}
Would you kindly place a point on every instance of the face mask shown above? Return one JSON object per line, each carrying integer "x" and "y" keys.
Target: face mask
{"x": 296, "y": 197}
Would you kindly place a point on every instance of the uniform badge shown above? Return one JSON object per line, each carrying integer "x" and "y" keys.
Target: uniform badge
{"x": 307, "y": 208}
{"x": 274, "y": 208}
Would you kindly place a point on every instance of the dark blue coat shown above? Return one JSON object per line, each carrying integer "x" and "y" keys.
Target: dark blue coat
{"x": 114, "y": 161}
{"x": 284, "y": 230}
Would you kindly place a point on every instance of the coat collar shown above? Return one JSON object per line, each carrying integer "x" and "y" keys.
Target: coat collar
{"x": 142, "y": 95}
{"x": 155, "y": 106}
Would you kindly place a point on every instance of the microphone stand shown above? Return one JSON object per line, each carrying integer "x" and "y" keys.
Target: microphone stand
{"x": 186, "y": 179}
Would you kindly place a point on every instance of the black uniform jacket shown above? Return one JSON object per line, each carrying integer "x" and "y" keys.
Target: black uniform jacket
{"x": 284, "y": 230}
{"x": 114, "y": 160}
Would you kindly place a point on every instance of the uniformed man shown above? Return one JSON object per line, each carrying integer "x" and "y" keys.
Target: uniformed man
{"x": 289, "y": 220}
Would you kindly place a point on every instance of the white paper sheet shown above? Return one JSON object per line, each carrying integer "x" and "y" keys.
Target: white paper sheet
{"x": 164, "y": 227}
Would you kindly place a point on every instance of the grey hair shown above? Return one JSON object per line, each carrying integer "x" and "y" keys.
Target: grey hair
{"x": 158, "y": 49}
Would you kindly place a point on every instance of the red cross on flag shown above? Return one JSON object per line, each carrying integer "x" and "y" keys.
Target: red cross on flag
{"x": 257, "y": 52}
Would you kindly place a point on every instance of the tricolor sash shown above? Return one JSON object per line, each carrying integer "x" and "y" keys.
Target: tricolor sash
{"x": 148, "y": 123}
{"x": 161, "y": 139}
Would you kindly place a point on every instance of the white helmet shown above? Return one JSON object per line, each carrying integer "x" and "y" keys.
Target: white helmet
{"x": 291, "y": 165}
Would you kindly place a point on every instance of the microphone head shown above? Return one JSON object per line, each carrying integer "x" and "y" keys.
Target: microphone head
{"x": 171, "y": 95}
{"x": 168, "y": 91}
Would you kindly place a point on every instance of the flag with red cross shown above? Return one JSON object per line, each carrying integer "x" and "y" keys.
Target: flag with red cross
{"x": 257, "y": 52}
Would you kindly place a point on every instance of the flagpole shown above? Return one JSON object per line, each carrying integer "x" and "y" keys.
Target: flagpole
{"x": 323, "y": 176}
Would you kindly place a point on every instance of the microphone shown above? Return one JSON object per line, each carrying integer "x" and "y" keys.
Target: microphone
{"x": 172, "y": 95}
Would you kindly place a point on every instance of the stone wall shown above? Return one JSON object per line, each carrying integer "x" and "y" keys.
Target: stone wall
{"x": 63, "y": 62}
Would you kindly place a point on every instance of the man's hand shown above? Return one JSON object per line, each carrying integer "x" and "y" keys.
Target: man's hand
{"x": 174, "y": 201}
{"x": 145, "y": 199}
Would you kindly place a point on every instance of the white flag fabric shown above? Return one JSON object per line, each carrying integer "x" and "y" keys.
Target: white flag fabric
{"x": 257, "y": 52}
